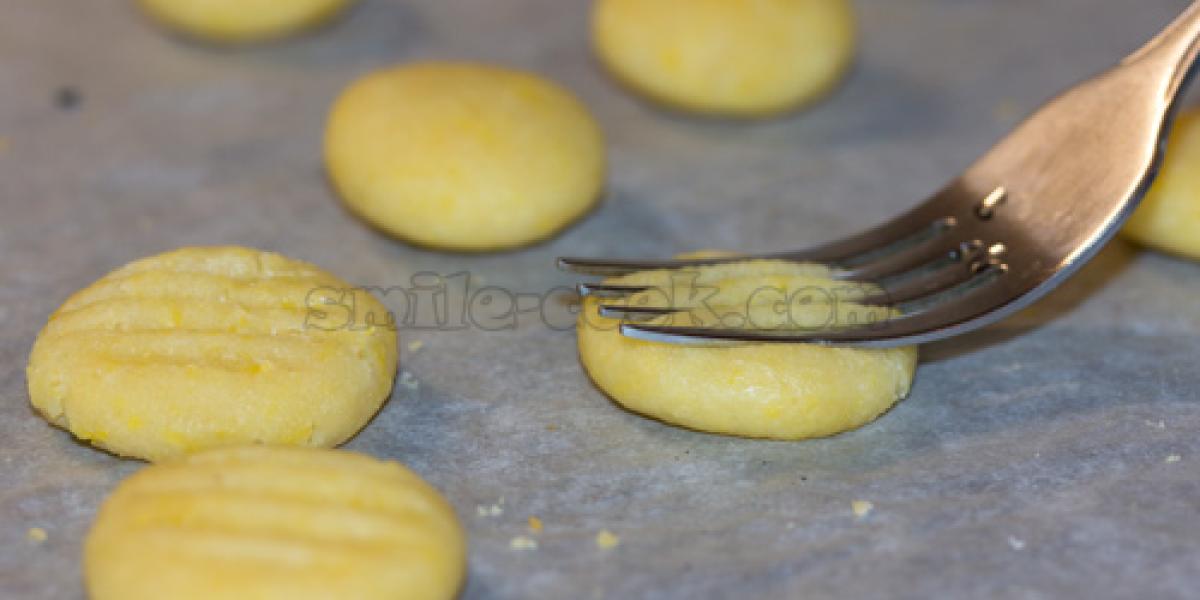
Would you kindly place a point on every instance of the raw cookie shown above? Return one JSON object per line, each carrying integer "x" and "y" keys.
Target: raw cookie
{"x": 274, "y": 522}
{"x": 202, "y": 347}
{"x": 781, "y": 391}
{"x": 242, "y": 20}
{"x": 464, "y": 156}
{"x": 726, "y": 57}
{"x": 1169, "y": 218}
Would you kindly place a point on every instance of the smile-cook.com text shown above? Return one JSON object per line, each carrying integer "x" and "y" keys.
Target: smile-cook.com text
{"x": 432, "y": 301}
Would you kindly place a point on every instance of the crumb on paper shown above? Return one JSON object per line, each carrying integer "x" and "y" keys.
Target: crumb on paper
{"x": 552, "y": 427}
{"x": 535, "y": 525}
{"x": 523, "y": 542}
{"x": 1015, "y": 543}
{"x": 861, "y": 508}
{"x": 1160, "y": 424}
{"x": 1174, "y": 458}
{"x": 415, "y": 345}
{"x": 36, "y": 535}
{"x": 408, "y": 381}
{"x": 607, "y": 540}
{"x": 493, "y": 510}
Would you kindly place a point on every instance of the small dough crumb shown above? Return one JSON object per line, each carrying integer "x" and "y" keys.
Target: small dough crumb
{"x": 523, "y": 542}
{"x": 1016, "y": 543}
{"x": 861, "y": 508}
{"x": 1174, "y": 458}
{"x": 535, "y": 525}
{"x": 492, "y": 510}
{"x": 415, "y": 345}
{"x": 36, "y": 535}
{"x": 607, "y": 540}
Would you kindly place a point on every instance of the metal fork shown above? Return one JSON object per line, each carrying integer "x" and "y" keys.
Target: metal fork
{"x": 1012, "y": 227}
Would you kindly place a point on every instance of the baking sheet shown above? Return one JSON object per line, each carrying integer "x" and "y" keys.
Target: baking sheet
{"x": 1053, "y": 455}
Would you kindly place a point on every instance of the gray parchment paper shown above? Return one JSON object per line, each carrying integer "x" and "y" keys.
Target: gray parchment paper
{"x": 1052, "y": 456}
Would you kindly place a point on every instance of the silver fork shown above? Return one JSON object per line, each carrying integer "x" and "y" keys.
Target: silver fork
{"x": 1012, "y": 227}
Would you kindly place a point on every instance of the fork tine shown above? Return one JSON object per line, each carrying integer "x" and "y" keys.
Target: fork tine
{"x": 935, "y": 322}
{"x": 935, "y": 280}
{"x": 919, "y": 224}
{"x": 618, "y": 266}
{"x": 612, "y": 311}
{"x": 926, "y": 285}
{"x": 912, "y": 258}
{"x": 600, "y": 290}
{"x": 930, "y": 280}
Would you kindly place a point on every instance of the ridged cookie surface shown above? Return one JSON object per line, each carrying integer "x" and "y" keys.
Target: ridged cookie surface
{"x": 203, "y": 347}
{"x": 274, "y": 522}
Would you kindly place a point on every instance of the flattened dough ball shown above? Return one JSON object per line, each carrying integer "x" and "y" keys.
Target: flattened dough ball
{"x": 235, "y": 21}
{"x": 780, "y": 391}
{"x": 273, "y": 522}
{"x": 203, "y": 347}
{"x": 1169, "y": 218}
{"x": 726, "y": 57}
{"x": 464, "y": 156}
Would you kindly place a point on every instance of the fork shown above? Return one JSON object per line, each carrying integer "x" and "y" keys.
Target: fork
{"x": 1012, "y": 227}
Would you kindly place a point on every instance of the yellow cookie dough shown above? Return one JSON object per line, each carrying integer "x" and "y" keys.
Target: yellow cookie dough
{"x": 464, "y": 156}
{"x": 274, "y": 522}
{"x": 203, "y": 347}
{"x": 242, "y": 20}
{"x": 1169, "y": 218}
{"x": 726, "y": 57}
{"x": 781, "y": 391}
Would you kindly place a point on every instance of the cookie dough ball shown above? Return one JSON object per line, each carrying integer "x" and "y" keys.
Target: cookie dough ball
{"x": 286, "y": 523}
{"x": 1169, "y": 218}
{"x": 726, "y": 57}
{"x": 204, "y": 347}
{"x": 780, "y": 391}
{"x": 234, "y": 21}
{"x": 463, "y": 156}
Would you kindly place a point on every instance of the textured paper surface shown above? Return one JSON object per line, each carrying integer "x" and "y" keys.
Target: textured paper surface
{"x": 1035, "y": 459}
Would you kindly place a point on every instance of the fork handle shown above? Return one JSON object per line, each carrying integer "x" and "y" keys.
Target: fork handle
{"x": 1173, "y": 52}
